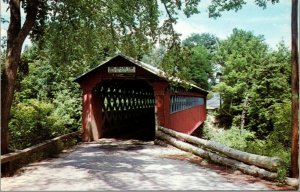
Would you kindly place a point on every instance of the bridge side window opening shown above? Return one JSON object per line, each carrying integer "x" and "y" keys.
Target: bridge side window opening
{"x": 179, "y": 103}
{"x": 124, "y": 100}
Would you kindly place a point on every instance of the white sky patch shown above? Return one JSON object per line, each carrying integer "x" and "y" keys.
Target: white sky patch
{"x": 5, "y": 13}
{"x": 4, "y": 10}
{"x": 3, "y": 32}
{"x": 186, "y": 28}
{"x": 268, "y": 19}
{"x": 273, "y": 22}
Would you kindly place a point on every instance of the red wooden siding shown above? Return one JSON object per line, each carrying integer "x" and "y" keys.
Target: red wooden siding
{"x": 186, "y": 121}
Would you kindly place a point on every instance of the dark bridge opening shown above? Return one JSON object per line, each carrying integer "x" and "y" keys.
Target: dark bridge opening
{"x": 127, "y": 109}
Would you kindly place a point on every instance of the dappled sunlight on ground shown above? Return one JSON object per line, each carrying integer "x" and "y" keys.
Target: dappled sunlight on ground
{"x": 124, "y": 165}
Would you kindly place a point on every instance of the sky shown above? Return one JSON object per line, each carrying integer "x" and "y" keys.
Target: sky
{"x": 273, "y": 22}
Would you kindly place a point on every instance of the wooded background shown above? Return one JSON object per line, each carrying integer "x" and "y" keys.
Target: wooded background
{"x": 40, "y": 101}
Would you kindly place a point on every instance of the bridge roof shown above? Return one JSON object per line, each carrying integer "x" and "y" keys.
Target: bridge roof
{"x": 153, "y": 70}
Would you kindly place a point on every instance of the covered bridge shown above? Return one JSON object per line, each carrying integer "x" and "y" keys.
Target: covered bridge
{"x": 123, "y": 97}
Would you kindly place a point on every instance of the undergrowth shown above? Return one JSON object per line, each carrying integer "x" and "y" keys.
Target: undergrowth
{"x": 274, "y": 145}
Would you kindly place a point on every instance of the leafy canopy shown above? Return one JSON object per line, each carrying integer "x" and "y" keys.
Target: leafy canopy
{"x": 254, "y": 80}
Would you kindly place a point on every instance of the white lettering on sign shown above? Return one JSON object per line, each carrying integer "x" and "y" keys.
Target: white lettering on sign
{"x": 121, "y": 69}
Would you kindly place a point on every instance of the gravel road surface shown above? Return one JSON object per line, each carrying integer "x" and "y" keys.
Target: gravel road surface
{"x": 111, "y": 164}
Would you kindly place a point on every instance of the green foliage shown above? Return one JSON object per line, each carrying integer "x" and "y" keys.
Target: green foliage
{"x": 192, "y": 62}
{"x": 276, "y": 144}
{"x": 80, "y": 35}
{"x": 207, "y": 40}
{"x": 68, "y": 106}
{"x": 155, "y": 57}
{"x": 272, "y": 147}
{"x": 255, "y": 87}
{"x": 46, "y": 100}
{"x": 33, "y": 122}
{"x": 246, "y": 141}
{"x": 176, "y": 63}
{"x": 210, "y": 95}
{"x": 200, "y": 67}
{"x": 253, "y": 80}
{"x": 89, "y": 31}
{"x": 271, "y": 86}
{"x": 2, "y": 59}
{"x": 234, "y": 137}
{"x": 38, "y": 84}
{"x": 218, "y": 6}
{"x": 282, "y": 127}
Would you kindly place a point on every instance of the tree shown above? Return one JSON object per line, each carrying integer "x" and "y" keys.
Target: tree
{"x": 270, "y": 78}
{"x": 252, "y": 78}
{"x": 200, "y": 67}
{"x": 219, "y": 6}
{"x": 209, "y": 41}
{"x": 155, "y": 56}
{"x": 237, "y": 56}
{"x": 16, "y": 36}
{"x": 126, "y": 24}
{"x": 295, "y": 90}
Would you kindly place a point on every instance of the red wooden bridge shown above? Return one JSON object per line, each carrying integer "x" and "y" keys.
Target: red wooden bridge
{"x": 123, "y": 97}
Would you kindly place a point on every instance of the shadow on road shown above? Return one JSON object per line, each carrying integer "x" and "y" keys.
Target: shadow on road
{"x": 112, "y": 164}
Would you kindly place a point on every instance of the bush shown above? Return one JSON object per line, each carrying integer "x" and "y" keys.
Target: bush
{"x": 276, "y": 144}
{"x": 68, "y": 107}
{"x": 272, "y": 149}
{"x": 233, "y": 137}
{"x": 33, "y": 122}
{"x": 282, "y": 132}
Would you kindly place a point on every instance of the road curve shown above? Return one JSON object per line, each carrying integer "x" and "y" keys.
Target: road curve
{"x": 111, "y": 164}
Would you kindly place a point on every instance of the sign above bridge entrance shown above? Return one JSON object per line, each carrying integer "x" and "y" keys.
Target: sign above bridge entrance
{"x": 121, "y": 69}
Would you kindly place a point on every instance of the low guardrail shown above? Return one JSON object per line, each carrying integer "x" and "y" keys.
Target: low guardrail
{"x": 12, "y": 161}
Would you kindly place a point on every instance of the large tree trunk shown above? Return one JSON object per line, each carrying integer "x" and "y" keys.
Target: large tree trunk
{"x": 295, "y": 91}
{"x": 271, "y": 163}
{"x": 16, "y": 36}
{"x": 249, "y": 169}
{"x": 7, "y": 89}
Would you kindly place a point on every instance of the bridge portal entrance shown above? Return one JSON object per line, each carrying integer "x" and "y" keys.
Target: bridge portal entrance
{"x": 126, "y": 98}
{"x": 127, "y": 109}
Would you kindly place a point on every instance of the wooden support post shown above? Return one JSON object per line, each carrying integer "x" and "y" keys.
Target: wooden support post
{"x": 159, "y": 89}
{"x": 90, "y": 126}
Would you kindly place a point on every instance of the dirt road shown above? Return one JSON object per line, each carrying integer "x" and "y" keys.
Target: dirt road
{"x": 111, "y": 164}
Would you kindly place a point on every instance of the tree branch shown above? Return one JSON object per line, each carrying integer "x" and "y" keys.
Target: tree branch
{"x": 15, "y": 22}
{"x": 32, "y": 10}
{"x": 172, "y": 20}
